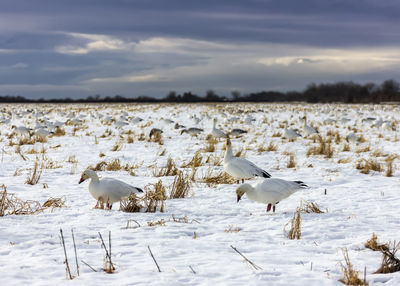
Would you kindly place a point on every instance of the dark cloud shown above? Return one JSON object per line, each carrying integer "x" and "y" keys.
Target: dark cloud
{"x": 59, "y": 44}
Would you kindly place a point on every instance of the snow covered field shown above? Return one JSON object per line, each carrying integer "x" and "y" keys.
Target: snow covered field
{"x": 358, "y": 201}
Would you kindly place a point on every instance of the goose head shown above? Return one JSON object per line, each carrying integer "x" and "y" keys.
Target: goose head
{"x": 241, "y": 190}
{"x": 86, "y": 175}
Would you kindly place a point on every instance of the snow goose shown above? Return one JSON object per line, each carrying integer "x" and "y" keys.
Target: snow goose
{"x": 351, "y": 137}
{"x": 192, "y": 131}
{"x": 107, "y": 190}
{"x": 240, "y": 168}
{"x": 237, "y": 132}
{"x": 308, "y": 130}
{"x": 270, "y": 191}
{"x": 290, "y": 133}
{"x": 217, "y": 133}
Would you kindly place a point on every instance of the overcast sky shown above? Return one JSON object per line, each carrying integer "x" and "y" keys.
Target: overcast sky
{"x": 77, "y": 48}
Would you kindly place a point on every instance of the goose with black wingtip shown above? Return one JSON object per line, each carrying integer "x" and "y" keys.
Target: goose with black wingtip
{"x": 107, "y": 190}
{"x": 270, "y": 191}
{"x": 240, "y": 168}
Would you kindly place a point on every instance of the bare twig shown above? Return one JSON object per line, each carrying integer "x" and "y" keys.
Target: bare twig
{"x": 65, "y": 253}
{"x": 76, "y": 256}
{"x": 256, "y": 267}
{"x": 107, "y": 253}
{"x": 191, "y": 268}
{"x": 88, "y": 266}
{"x": 155, "y": 261}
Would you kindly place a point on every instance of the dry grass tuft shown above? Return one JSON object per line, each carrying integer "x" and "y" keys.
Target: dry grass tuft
{"x": 310, "y": 207}
{"x": 181, "y": 186}
{"x": 214, "y": 160}
{"x": 54, "y": 203}
{"x": 160, "y": 222}
{"x": 390, "y": 263}
{"x": 212, "y": 179}
{"x": 11, "y": 205}
{"x": 323, "y": 148}
{"x": 152, "y": 201}
{"x": 365, "y": 166}
{"x": 363, "y": 149}
{"x": 157, "y": 138}
{"x": 211, "y": 142}
{"x": 373, "y": 244}
{"x": 291, "y": 163}
{"x": 154, "y": 198}
{"x": 195, "y": 162}
{"x": 240, "y": 153}
{"x": 114, "y": 165}
{"x": 346, "y": 147}
{"x": 59, "y": 131}
{"x": 350, "y": 275}
{"x": 132, "y": 204}
{"x": 117, "y": 146}
{"x": 389, "y": 166}
{"x": 232, "y": 228}
{"x": 277, "y": 134}
{"x": 169, "y": 170}
{"x": 34, "y": 176}
{"x": 295, "y": 230}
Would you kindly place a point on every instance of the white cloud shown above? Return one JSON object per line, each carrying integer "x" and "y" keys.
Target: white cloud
{"x": 92, "y": 43}
{"x": 126, "y": 79}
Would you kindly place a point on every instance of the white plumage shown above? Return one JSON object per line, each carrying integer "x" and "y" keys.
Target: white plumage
{"x": 217, "y": 133}
{"x": 240, "y": 168}
{"x": 290, "y": 133}
{"x": 269, "y": 191}
{"x": 107, "y": 190}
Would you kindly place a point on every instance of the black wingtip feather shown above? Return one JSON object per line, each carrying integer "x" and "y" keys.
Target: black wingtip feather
{"x": 301, "y": 184}
{"x": 266, "y": 175}
{"x": 139, "y": 190}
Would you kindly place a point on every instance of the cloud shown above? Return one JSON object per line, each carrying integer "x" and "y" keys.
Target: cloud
{"x": 91, "y": 43}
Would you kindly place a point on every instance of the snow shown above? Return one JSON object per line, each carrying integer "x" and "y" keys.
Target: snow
{"x": 357, "y": 204}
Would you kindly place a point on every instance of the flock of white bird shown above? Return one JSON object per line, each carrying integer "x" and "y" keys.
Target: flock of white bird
{"x": 107, "y": 191}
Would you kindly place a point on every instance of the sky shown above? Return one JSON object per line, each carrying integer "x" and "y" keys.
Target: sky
{"x": 78, "y": 48}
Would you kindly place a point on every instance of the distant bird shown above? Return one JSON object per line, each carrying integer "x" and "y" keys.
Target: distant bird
{"x": 217, "y": 133}
{"x": 269, "y": 191}
{"x": 290, "y": 133}
{"x": 136, "y": 120}
{"x": 22, "y": 130}
{"x": 178, "y": 126}
{"x": 154, "y": 132}
{"x": 240, "y": 168}
{"x": 192, "y": 131}
{"x": 351, "y": 137}
{"x": 42, "y": 133}
{"x": 107, "y": 190}
{"x": 308, "y": 129}
{"x": 237, "y": 132}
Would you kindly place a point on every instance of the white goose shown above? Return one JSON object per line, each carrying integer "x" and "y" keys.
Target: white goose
{"x": 240, "y": 168}
{"x": 308, "y": 129}
{"x": 270, "y": 191}
{"x": 107, "y": 190}
{"x": 217, "y": 133}
{"x": 290, "y": 133}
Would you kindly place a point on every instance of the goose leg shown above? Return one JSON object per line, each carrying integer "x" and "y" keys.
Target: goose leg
{"x": 242, "y": 181}
{"x": 269, "y": 207}
{"x": 273, "y": 208}
{"x": 237, "y": 181}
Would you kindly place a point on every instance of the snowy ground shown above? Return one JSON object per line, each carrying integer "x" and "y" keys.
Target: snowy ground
{"x": 357, "y": 204}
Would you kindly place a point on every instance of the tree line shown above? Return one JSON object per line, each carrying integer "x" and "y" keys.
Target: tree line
{"x": 347, "y": 92}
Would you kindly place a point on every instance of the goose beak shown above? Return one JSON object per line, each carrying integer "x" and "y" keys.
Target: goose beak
{"x": 81, "y": 180}
{"x": 238, "y": 197}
